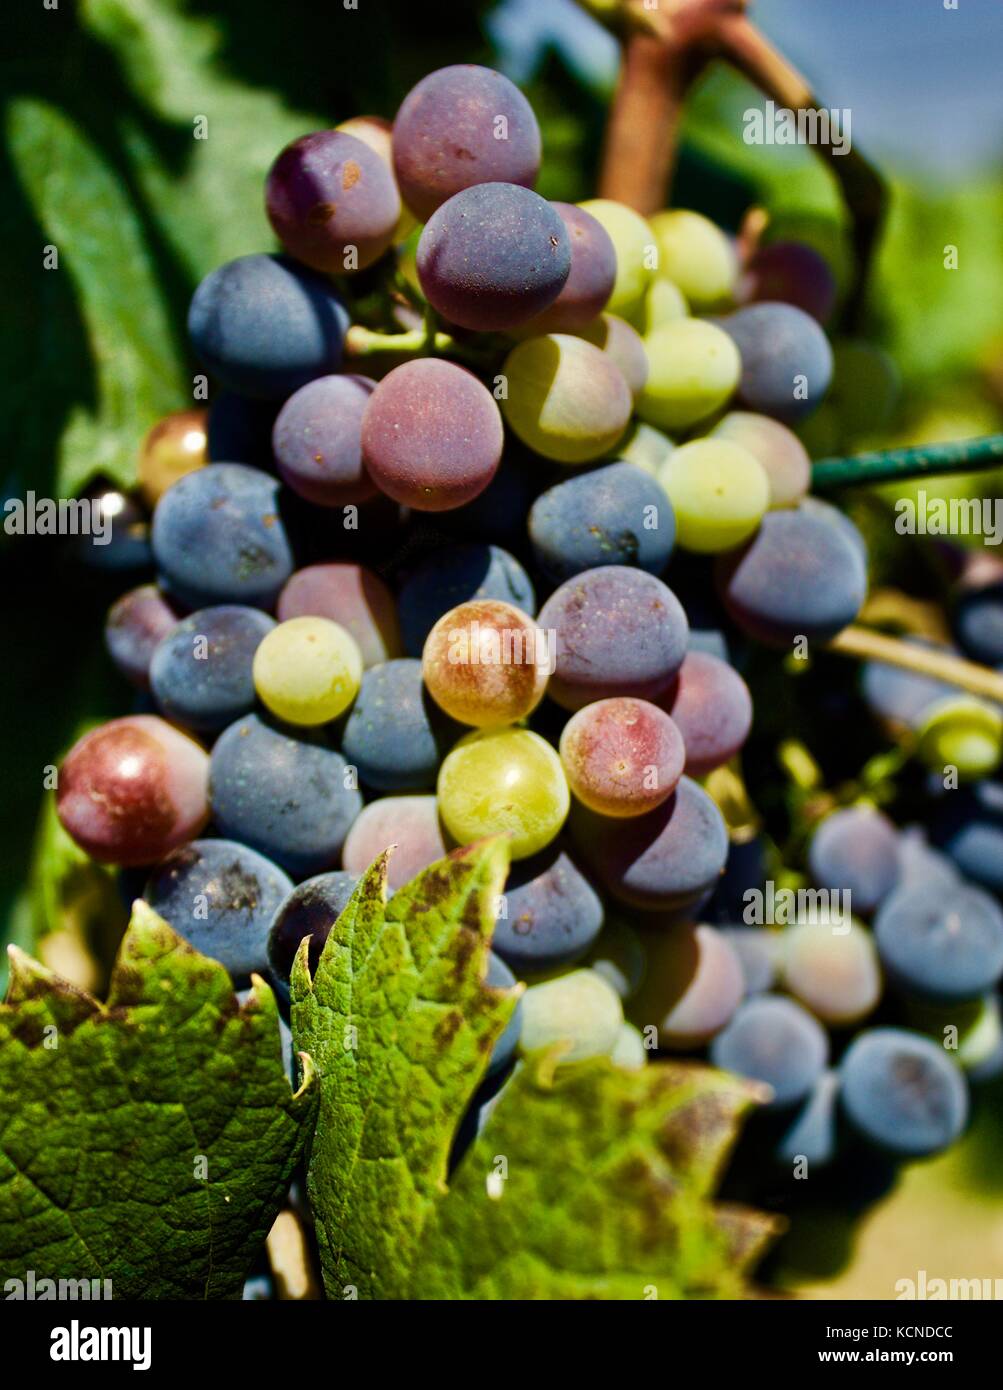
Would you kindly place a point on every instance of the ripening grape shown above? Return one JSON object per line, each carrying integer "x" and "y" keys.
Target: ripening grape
{"x": 136, "y": 622}
{"x": 644, "y": 446}
{"x": 317, "y": 441}
{"x": 481, "y": 664}
{"x": 693, "y": 369}
{"x": 377, "y": 133}
{"x": 307, "y": 670}
{"x": 410, "y": 824}
{"x": 692, "y": 986}
{"x": 176, "y": 445}
{"x": 833, "y": 972}
{"x": 579, "y": 1009}
{"x": 814, "y": 1133}
{"x": 777, "y": 448}
{"x": 352, "y": 596}
{"x": 460, "y": 574}
{"x": 696, "y": 256}
{"x": 622, "y": 757}
{"x": 663, "y": 303}
{"x": 962, "y": 732}
{"x": 711, "y": 706}
{"x": 969, "y": 828}
{"x": 629, "y": 1050}
{"x": 395, "y": 735}
{"x": 978, "y": 623}
{"x": 791, "y": 272}
{"x": 719, "y": 493}
{"x": 624, "y": 345}
{"x": 549, "y": 915}
{"x": 634, "y": 242}
{"x": 758, "y": 951}
{"x": 589, "y": 285}
{"x": 200, "y": 672}
{"x": 503, "y": 781}
{"x": 786, "y": 359}
{"x": 310, "y": 910}
{"x": 567, "y": 399}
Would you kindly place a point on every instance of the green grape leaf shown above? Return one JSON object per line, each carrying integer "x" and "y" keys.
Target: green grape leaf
{"x": 588, "y": 1181}
{"x": 149, "y": 1140}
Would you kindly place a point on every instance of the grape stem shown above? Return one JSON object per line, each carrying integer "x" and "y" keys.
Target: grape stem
{"x": 865, "y": 644}
{"x": 417, "y": 342}
{"x": 887, "y": 465}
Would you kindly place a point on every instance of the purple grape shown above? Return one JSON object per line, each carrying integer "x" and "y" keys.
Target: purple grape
{"x": 590, "y": 282}
{"x": 552, "y": 915}
{"x": 200, "y": 673}
{"x": 310, "y": 910}
{"x": 856, "y": 850}
{"x": 135, "y": 624}
{"x": 786, "y": 359}
{"x": 317, "y": 441}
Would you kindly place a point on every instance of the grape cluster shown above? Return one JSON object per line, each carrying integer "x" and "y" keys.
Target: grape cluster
{"x": 474, "y": 562}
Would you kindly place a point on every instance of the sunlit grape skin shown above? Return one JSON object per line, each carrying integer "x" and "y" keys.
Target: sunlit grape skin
{"x": 634, "y": 242}
{"x": 481, "y": 664}
{"x": 579, "y": 1009}
{"x": 777, "y": 448}
{"x": 622, "y": 757}
{"x": 132, "y": 790}
{"x": 719, "y": 493}
{"x": 307, "y": 670}
{"x": 503, "y": 781}
{"x": 176, "y": 445}
{"x": 567, "y": 399}
{"x": 833, "y": 973}
{"x": 696, "y": 256}
{"x": 693, "y": 369}
{"x": 590, "y": 283}
{"x": 692, "y": 985}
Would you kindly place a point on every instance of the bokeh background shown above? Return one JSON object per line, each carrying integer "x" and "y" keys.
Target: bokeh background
{"x": 99, "y": 160}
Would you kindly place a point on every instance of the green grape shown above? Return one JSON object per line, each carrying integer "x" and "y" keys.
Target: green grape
{"x": 962, "y": 732}
{"x": 693, "y": 369}
{"x": 664, "y": 302}
{"x": 634, "y": 243}
{"x": 579, "y": 1008}
{"x": 622, "y": 343}
{"x": 777, "y": 448}
{"x": 567, "y": 399}
{"x": 719, "y": 492}
{"x": 307, "y": 670}
{"x": 618, "y": 956}
{"x": 696, "y": 256}
{"x": 644, "y": 446}
{"x": 629, "y": 1050}
{"x": 503, "y": 781}
{"x": 834, "y": 973}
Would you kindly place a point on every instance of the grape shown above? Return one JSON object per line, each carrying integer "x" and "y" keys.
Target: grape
{"x": 377, "y": 133}
{"x": 218, "y": 538}
{"x": 624, "y": 346}
{"x": 239, "y": 430}
{"x": 221, "y": 897}
{"x": 395, "y": 734}
{"x": 499, "y": 976}
{"x": 266, "y": 326}
{"x": 135, "y": 624}
{"x": 790, "y": 272}
{"x": 899, "y": 696}
{"x": 579, "y": 1009}
{"x": 961, "y": 732}
{"x": 123, "y": 528}
{"x": 799, "y": 576}
{"x": 309, "y": 910}
{"x": 493, "y": 257}
{"x": 483, "y": 664}
{"x": 777, "y": 448}
{"x": 132, "y": 790}
{"x": 693, "y": 369}
{"x": 499, "y": 512}
{"x": 410, "y": 824}
{"x": 978, "y": 624}
{"x": 461, "y": 126}
{"x": 813, "y": 1135}
{"x": 645, "y": 446}
{"x": 943, "y": 944}
{"x": 622, "y": 757}
{"x": 619, "y": 956}
{"x": 970, "y": 831}
{"x": 307, "y": 670}
{"x": 619, "y": 632}
{"x": 503, "y": 781}
{"x": 758, "y": 953}
{"x": 834, "y": 974}
{"x": 629, "y": 1050}
{"x": 460, "y": 574}
{"x": 712, "y": 708}
{"x": 719, "y": 493}
{"x": 200, "y": 673}
{"x": 287, "y": 795}
{"x": 566, "y": 399}
{"x": 317, "y": 441}
{"x": 431, "y": 435}
{"x": 590, "y": 283}
{"x": 634, "y": 243}
{"x": 332, "y": 202}
{"x": 349, "y": 595}
{"x": 696, "y": 256}
{"x": 902, "y": 1093}
{"x": 176, "y": 445}
{"x": 775, "y": 1041}
{"x": 786, "y": 359}
{"x": 663, "y": 303}
{"x": 613, "y": 515}
{"x": 549, "y": 915}
{"x": 692, "y": 986}
{"x": 856, "y": 851}
{"x": 667, "y": 860}
{"x": 919, "y": 863}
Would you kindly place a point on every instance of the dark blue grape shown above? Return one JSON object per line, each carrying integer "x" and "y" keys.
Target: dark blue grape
{"x": 614, "y": 515}
{"x": 311, "y": 909}
{"x": 774, "y": 1040}
{"x": 135, "y": 624}
{"x": 856, "y": 850}
{"x": 942, "y": 944}
{"x": 455, "y": 575}
{"x": 499, "y": 976}
{"x": 969, "y": 829}
{"x": 902, "y": 696}
{"x": 284, "y": 794}
{"x": 758, "y": 950}
{"x": 552, "y": 915}
{"x": 200, "y": 673}
{"x": 266, "y": 326}
{"x": 117, "y": 538}
{"x": 813, "y": 1134}
{"x": 396, "y": 735}
{"x": 978, "y": 624}
{"x": 498, "y": 514}
{"x": 920, "y": 863}
{"x": 240, "y": 430}
{"x": 221, "y": 897}
{"x": 902, "y": 1093}
{"x": 218, "y": 538}
{"x": 786, "y": 359}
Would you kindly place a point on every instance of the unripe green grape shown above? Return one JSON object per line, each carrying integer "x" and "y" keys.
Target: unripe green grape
{"x": 644, "y": 446}
{"x": 719, "y": 493}
{"x": 635, "y": 246}
{"x": 579, "y": 1008}
{"x": 307, "y": 670}
{"x": 696, "y": 256}
{"x": 503, "y": 781}
{"x": 623, "y": 345}
{"x": 693, "y": 369}
{"x": 567, "y": 399}
{"x": 629, "y": 1050}
{"x": 962, "y": 732}
{"x": 664, "y": 302}
{"x": 777, "y": 448}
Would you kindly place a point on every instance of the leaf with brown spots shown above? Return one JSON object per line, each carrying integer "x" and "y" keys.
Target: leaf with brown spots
{"x": 148, "y": 1140}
